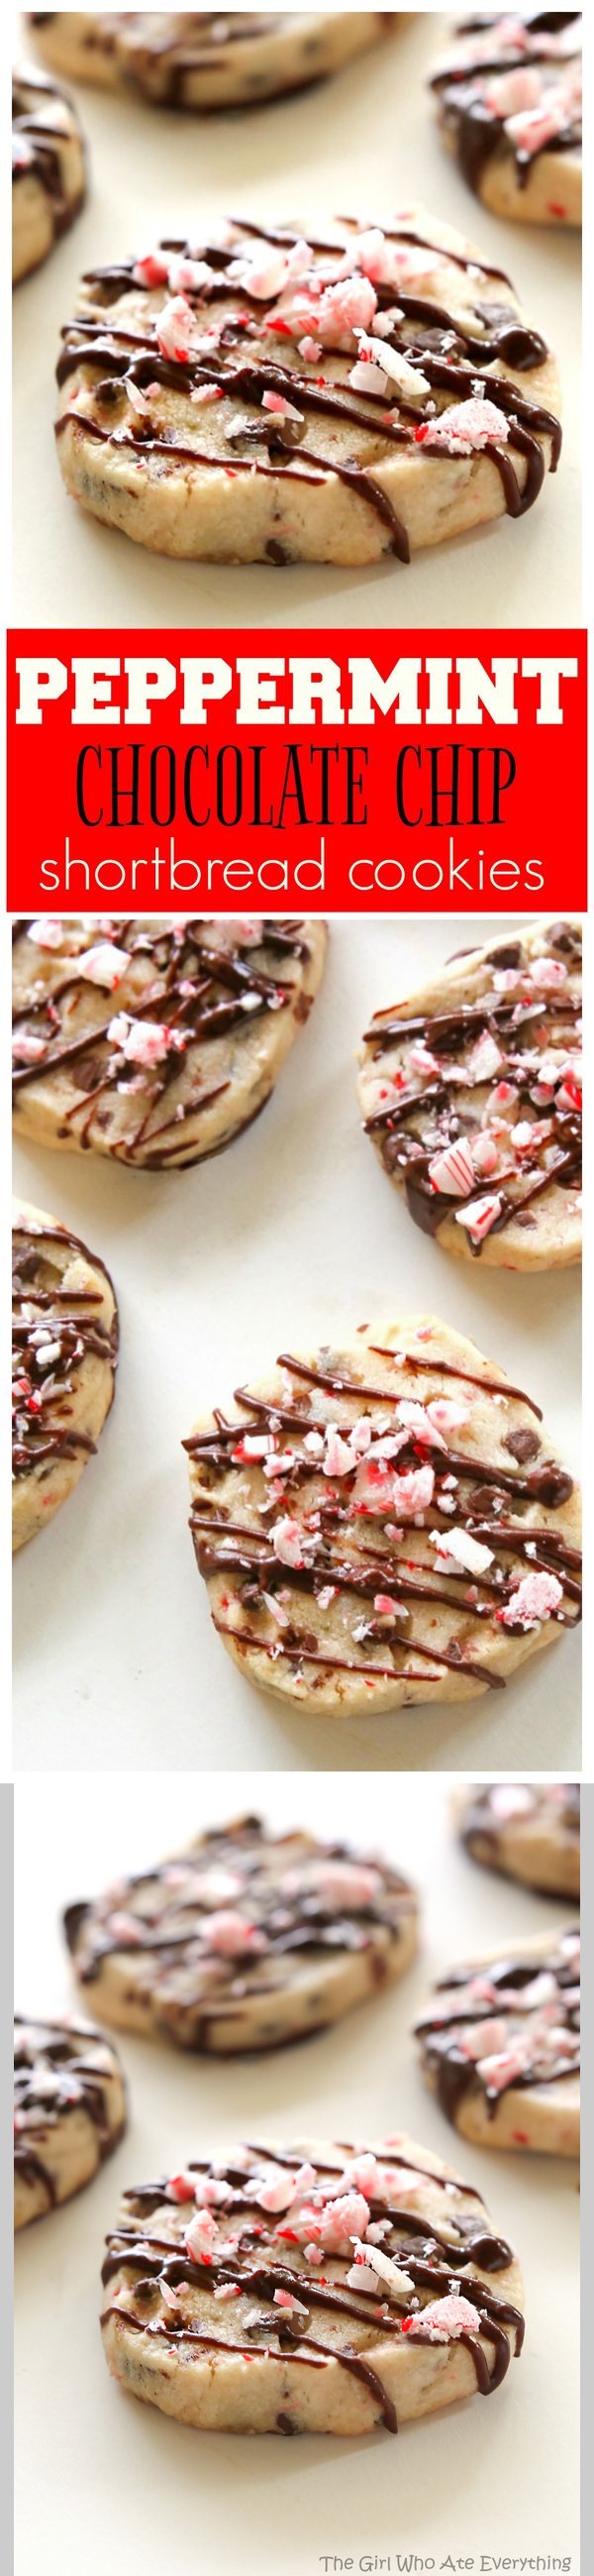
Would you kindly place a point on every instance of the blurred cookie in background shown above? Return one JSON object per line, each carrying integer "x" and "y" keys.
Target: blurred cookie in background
{"x": 530, "y": 1830}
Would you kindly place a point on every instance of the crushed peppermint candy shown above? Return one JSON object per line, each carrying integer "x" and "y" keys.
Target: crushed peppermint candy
{"x": 465, "y": 427}
{"x": 174, "y": 329}
{"x": 47, "y": 933}
{"x": 452, "y": 1173}
{"x": 206, "y": 393}
{"x": 26, "y": 1048}
{"x": 378, "y": 365}
{"x": 444, "y": 2318}
{"x": 480, "y": 1216}
{"x": 283, "y": 410}
{"x": 383, "y": 2270}
{"x": 201, "y": 2236}
{"x": 105, "y": 964}
{"x": 510, "y": 93}
{"x": 287, "y": 1541}
{"x": 284, "y": 2299}
{"x": 466, "y": 1551}
{"x": 547, "y": 973}
{"x": 536, "y": 1597}
{"x": 145, "y": 1042}
{"x": 152, "y": 270}
{"x": 447, "y": 1415}
{"x": 485, "y": 1058}
{"x": 338, "y": 312}
{"x": 231, "y": 1934}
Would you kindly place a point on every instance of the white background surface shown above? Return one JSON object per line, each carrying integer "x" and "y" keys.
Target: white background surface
{"x": 364, "y": 143}
{"x": 291, "y": 1237}
{"x": 104, "y": 2483}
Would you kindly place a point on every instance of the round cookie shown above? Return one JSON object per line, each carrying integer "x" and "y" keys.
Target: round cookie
{"x": 69, "y": 2111}
{"x": 48, "y": 169}
{"x": 500, "y": 2047}
{"x": 64, "y": 1357}
{"x": 186, "y": 59}
{"x": 509, "y": 100}
{"x": 372, "y": 1529}
{"x": 471, "y": 1092}
{"x": 528, "y": 1830}
{"x": 155, "y": 1041}
{"x": 244, "y": 1940}
{"x": 252, "y": 396}
{"x": 309, "y": 2289}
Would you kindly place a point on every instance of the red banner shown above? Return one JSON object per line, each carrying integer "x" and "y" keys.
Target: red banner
{"x": 441, "y": 771}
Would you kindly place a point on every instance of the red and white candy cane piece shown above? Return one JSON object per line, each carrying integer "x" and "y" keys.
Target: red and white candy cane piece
{"x": 464, "y": 427}
{"x": 535, "y": 1598}
{"x": 104, "y": 964}
{"x": 230, "y": 1935}
{"x": 484, "y": 1156}
{"x": 151, "y": 270}
{"x": 480, "y": 1216}
{"x": 336, "y": 314}
{"x": 547, "y": 973}
{"x": 174, "y": 328}
{"x": 287, "y": 1541}
{"x": 47, "y": 933}
{"x": 453, "y": 1173}
{"x": 284, "y": 410}
{"x": 200, "y": 2236}
{"x": 443, "y": 2319}
{"x": 513, "y": 92}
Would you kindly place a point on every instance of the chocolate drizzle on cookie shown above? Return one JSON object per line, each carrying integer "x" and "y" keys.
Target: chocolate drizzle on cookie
{"x": 181, "y": 45}
{"x": 39, "y": 143}
{"x": 529, "y": 2010}
{"x": 154, "y": 2266}
{"x": 59, "y": 2069}
{"x": 481, "y": 117}
{"x": 341, "y": 1495}
{"x": 514, "y": 1049}
{"x": 249, "y": 352}
{"x": 292, "y": 1900}
{"x": 55, "y": 1328}
{"x": 195, "y": 992}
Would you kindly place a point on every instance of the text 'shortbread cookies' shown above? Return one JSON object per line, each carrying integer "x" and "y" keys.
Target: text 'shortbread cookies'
{"x": 201, "y": 60}
{"x": 382, "y": 1522}
{"x": 64, "y": 1357}
{"x": 509, "y": 98}
{"x": 309, "y": 2289}
{"x": 500, "y": 2046}
{"x": 155, "y": 1041}
{"x": 69, "y": 2111}
{"x": 244, "y": 1940}
{"x": 471, "y": 1091}
{"x": 251, "y": 395}
{"x": 530, "y": 1830}
{"x": 48, "y": 169}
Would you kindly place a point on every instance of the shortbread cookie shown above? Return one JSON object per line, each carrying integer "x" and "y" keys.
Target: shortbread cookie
{"x": 358, "y": 2286}
{"x": 48, "y": 169}
{"x": 500, "y": 2046}
{"x": 252, "y": 396}
{"x": 69, "y": 2111}
{"x": 471, "y": 1091}
{"x": 530, "y": 1830}
{"x": 200, "y": 60}
{"x": 64, "y": 1357}
{"x": 244, "y": 1939}
{"x": 155, "y": 1041}
{"x": 383, "y": 1522}
{"x": 509, "y": 97}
